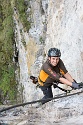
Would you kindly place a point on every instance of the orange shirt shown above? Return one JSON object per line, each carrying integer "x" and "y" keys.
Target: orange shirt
{"x": 48, "y": 73}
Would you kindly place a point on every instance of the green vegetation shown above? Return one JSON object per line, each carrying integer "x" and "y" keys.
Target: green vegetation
{"x": 7, "y": 73}
{"x": 22, "y": 7}
{"x": 42, "y": 41}
{"x": 8, "y": 86}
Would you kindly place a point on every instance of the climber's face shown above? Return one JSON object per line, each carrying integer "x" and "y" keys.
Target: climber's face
{"x": 53, "y": 60}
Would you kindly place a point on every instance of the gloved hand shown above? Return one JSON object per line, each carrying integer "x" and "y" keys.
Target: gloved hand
{"x": 81, "y": 84}
{"x": 75, "y": 85}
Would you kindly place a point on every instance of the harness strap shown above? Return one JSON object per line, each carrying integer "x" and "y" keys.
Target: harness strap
{"x": 56, "y": 86}
{"x": 40, "y": 82}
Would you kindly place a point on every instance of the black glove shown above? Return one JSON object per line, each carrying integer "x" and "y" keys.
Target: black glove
{"x": 81, "y": 84}
{"x": 75, "y": 85}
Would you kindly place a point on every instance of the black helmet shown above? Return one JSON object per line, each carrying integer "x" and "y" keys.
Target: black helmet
{"x": 54, "y": 52}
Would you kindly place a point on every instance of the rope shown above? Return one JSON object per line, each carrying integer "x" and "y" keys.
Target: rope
{"x": 56, "y": 86}
{"x": 32, "y": 102}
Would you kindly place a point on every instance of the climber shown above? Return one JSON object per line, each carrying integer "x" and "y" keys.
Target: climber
{"x": 54, "y": 70}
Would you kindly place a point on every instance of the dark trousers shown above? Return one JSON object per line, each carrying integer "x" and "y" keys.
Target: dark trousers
{"x": 47, "y": 91}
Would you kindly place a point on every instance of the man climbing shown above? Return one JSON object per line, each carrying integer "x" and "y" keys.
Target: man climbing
{"x": 54, "y": 70}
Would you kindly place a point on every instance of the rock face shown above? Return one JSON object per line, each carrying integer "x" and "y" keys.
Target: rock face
{"x": 64, "y": 30}
{"x": 61, "y": 111}
{"x": 56, "y": 23}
